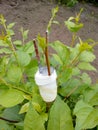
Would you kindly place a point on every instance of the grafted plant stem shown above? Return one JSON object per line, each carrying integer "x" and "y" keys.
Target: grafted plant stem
{"x": 46, "y": 54}
{"x": 36, "y": 51}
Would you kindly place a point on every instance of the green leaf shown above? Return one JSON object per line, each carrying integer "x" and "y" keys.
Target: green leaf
{"x": 70, "y": 85}
{"x": 10, "y": 25}
{"x": 54, "y": 11}
{"x": 86, "y": 66}
{"x": 11, "y": 97}
{"x": 28, "y": 47}
{"x": 62, "y": 51}
{"x": 87, "y": 56}
{"x": 23, "y": 58}
{"x": 56, "y": 22}
{"x": 71, "y": 3}
{"x": 24, "y": 108}
{"x": 91, "y": 96}
{"x": 57, "y": 58}
{"x": 65, "y": 75}
{"x": 75, "y": 71}
{"x": 14, "y": 74}
{"x": 25, "y": 34}
{"x": 4, "y": 125}
{"x": 12, "y": 113}
{"x": 86, "y": 116}
{"x": 10, "y": 32}
{"x": 84, "y": 46}
{"x": 31, "y": 69}
{"x": 33, "y": 120}
{"x": 60, "y": 116}
{"x": 38, "y": 103}
{"x": 5, "y": 51}
{"x": 72, "y": 26}
{"x": 3, "y": 44}
{"x": 86, "y": 78}
{"x": 19, "y": 126}
{"x": 41, "y": 42}
{"x": 17, "y": 42}
{"x": 3, "y": 65}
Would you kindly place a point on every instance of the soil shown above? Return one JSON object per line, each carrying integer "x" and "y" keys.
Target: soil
{"x": 35, "y": 14}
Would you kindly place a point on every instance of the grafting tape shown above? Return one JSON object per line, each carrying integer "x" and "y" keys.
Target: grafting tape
{"x": 47, "y": 85}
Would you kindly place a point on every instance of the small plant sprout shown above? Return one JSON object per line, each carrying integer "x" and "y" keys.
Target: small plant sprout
{"x": 73, "y": 24}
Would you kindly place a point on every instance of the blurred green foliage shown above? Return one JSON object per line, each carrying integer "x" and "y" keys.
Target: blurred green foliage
{"x": 71, "y": 3}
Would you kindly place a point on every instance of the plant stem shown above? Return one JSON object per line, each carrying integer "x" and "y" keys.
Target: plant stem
{"x": 46, "y": 55}
{"x": 75, "y": 59}
{"x": 73, "y": 39}
{"x": 36, "y": 51}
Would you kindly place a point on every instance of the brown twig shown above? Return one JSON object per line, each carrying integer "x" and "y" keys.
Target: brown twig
{"x": 36, "y": 51}
{"x": 46, "y": 55}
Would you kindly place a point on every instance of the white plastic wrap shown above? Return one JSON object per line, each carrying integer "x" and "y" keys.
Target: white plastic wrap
{"x": 47, "y": 85}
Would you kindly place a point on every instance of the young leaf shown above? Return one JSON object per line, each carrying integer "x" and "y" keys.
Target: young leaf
{"x": 87, "y": 56}
{"x": 10, "y": 32}
{"x": 86, "y": 66}
{"x": 62, "y": 51}
{"x": 56, "y": 22}
{"x": 41, "y": 42}
{"x": 17, "y": 42}
{"x": 5, "y": 51}
{"x": 10, "y": 25}
{"x": 57, "y": 58}
{"x": 73, "y": 27}
{"x": 54, "y": 11}
{"x": 38, "y": 103}
{"x": 84, "y": 45}
{"x": 60, "y": 120}
{"x": 28, "y": 47}
{"x": 33, "y": 120}
{"x": 25, "y": 34}
{"x": 86, "y": 78}
{"x": 2, "y": 44}
{"x": 24, "y": 108}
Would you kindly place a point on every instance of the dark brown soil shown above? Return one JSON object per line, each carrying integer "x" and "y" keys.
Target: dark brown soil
{"x": 35, "y": 14}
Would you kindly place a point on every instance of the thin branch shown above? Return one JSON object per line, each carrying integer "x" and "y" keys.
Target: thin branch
{"x": 46, "y": 55}
{"x": 36, "y": 51}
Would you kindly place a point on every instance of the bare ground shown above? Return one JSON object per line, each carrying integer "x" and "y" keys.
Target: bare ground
{"x": 35, "y": 14}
